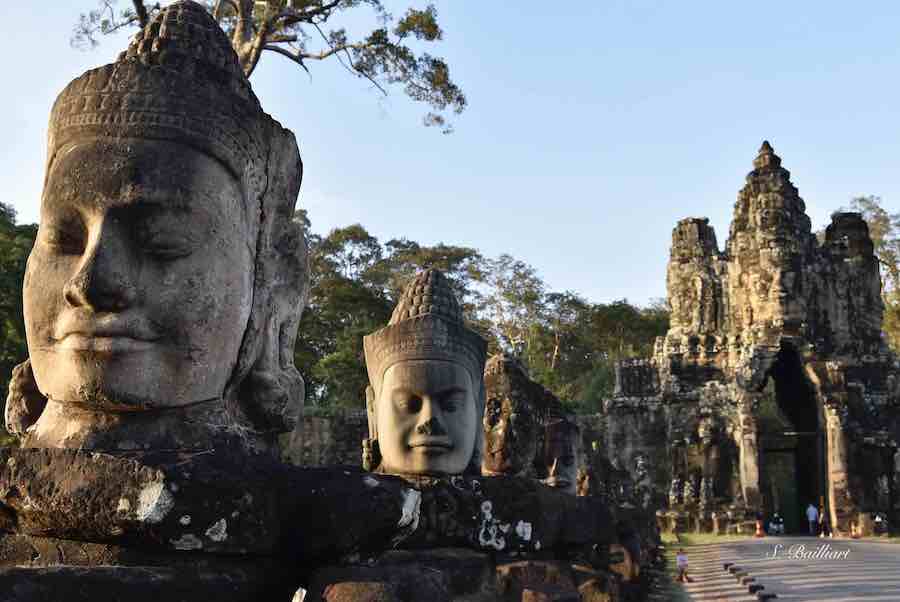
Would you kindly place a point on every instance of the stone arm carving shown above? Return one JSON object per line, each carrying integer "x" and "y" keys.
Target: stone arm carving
{"x": 24, "y": 403}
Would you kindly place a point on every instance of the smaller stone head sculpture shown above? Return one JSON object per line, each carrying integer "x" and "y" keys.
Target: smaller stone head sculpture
{"x": 560, "y": 454}
{"x": 164, "y": 290}
{"x": 511, "y": 419}
{"x": 426, "y": 395}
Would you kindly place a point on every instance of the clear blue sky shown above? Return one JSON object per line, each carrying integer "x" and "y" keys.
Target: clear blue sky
{"x": 593, "y": 126}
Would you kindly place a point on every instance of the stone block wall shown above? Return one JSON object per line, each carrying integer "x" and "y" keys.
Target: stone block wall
{"x": 332, "y": 437}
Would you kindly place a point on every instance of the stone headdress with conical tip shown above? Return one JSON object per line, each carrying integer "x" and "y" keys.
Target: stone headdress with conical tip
{"x": 180, "y": 81}
{"x": 427, "y": 324}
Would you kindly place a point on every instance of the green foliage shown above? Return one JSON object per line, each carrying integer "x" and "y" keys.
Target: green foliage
{"x": 568, "y": 344}
{"x": 884, "y": 228}
{"x": 306, "y": 31}
{"x": 355, "y": 283}
{"x": 15, "y": 244}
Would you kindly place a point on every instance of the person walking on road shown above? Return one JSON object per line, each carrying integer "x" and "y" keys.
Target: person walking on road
{"x": 812, "y": 515}
{"x": 681, "y": 563}
{"x": 824, "y": 524}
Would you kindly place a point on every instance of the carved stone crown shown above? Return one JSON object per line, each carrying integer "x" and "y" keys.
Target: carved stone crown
{"x": 178, "y": 80}
{"x": 426, "y": 324}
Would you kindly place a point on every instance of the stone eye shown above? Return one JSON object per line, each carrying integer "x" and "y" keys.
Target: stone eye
{"x": 66, "y": 237}
{"x": 451, "y": 401}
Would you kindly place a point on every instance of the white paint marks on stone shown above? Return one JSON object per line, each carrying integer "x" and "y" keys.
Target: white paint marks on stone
{"x": 185, "y": 520}
{"x": 187, "y": 542}
{"x": 412, "y": 502}
{"x": 154, "y": 502}
{"x": 523, "y": 530}
{"x": 218, "y": 531}
{"x": 410, "y": 511}
{"x": 490, "y": 532}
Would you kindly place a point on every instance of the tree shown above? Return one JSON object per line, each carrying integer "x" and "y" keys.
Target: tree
{"x": 15, "y": 245}
{"x": 514, "y": 304}
{"x": 346, "y": 302}
{"x": 884, "y": 228}
{"x": 305, "y": 32}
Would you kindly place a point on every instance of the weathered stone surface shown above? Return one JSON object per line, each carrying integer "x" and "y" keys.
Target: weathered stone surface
{"x": 559, "y": 456}
{"x": 221, "y": 582}
{"x": 202, "y": 503}
{"x": 331, "y": 437}
{"x": 773, "y": 344}
{"x": 164, "y": 155}
{"x": 541, "y": 578}
{"x": 426, "y": 395}
{"x": 433, "y": 574}
{"x": 515, "y": 411}
{"x": 361, "y": 591}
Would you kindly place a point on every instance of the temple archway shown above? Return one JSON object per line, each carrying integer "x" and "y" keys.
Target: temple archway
{"x": 792, "y": 442}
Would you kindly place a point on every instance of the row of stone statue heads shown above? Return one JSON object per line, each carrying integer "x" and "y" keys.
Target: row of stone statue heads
{"x": 164, "y": 290}
{"x": 430, "y": 412}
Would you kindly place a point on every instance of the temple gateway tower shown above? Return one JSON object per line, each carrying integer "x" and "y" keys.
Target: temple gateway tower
{"x": 773, "y": 383}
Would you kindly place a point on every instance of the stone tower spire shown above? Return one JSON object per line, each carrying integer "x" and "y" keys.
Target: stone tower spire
{"x": 770, "y": 237}
{"x": 693, "y": 281}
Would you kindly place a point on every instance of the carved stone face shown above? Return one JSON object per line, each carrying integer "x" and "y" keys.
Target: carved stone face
{"x": 139, "y": 287}
{"x": 510, "y": 436}
{"x": 561, "y": 458}
{"x": 426, "y": 418}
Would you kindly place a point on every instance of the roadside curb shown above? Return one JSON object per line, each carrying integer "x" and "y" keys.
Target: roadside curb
{"x": 744, "y": 577}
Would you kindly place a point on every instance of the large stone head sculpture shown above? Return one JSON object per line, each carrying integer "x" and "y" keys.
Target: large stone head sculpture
{"x": 426, "y": 395}
{"x": 164, "y": 290}
{"x": 512, "y": 418}
{"x": 560, "y": 454}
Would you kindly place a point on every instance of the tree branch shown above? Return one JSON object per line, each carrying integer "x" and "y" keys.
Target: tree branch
{"x": 280, "y": 39}
{"x": 243, "y": 31}
{"x": 296, "y": 57}
{"x": 346, "y": 48}
{"x": 291, "y": 16}
{"x": 141, "y": 12}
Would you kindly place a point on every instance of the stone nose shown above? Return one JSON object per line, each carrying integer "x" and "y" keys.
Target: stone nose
{"x": 103, "y": 281}
{"x": 431, "y": 428}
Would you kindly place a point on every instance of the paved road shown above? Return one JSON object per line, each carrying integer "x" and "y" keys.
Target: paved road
{"x": 855, "y": 570}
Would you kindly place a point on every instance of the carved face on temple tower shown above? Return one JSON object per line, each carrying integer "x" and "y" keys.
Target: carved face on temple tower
{"x": 426, "y": 394}
{"x": 560, "y": 455}
{"x": 770, "y": 235}
{"x": 167, "y": 274}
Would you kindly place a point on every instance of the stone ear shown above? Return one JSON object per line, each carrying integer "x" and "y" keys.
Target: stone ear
{"x": 371, "y": 453}
{"x": 370, "y": 413}
{"x": 24, "y": 402}
{"x": 272, "y": 401}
